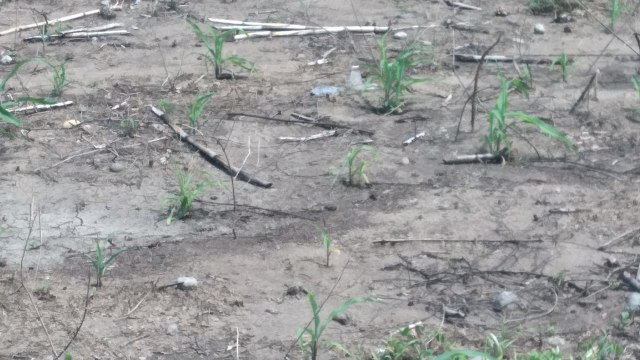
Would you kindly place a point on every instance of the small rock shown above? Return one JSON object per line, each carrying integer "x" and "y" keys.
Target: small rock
{"x": 400, "y": 35}
{"x": 501, "y": 12}
{"x": 6, "y": 60}
{"x": 405, "y": 161}
{"x": 163, "y": 161}
{"x": 538, "y": 29}
{"x": 504, "y": 299}
{"x": 556, "y": 341}
{"x": 324, "y": 90}
{"x": 599, "y": 306}
{"x": 331, "y": 207}
{"x": 295, "y": 290}
{"x": 563, "y": 18}
{"x": 633, "y": 302}
{"x": 187, "y": 283}
{"x": 567, "y": 29}
{"x": 172, "y": 329}
{"x": 342, "y": 319}
{"x": 116, "y": 167}
{"x": 70, "y": 123}
{"x": 158, "y": 127}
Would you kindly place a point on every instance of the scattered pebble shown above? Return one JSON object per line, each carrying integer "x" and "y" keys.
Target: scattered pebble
{"x": 501, "y": 12}
{"x": 116, "y": 167}
{"x": 504, "y": 299}
{"x": 633, "y": 302}
{"x": 400, "y": 35}
{"x": 163, "y": 161}
{"x": 324, "y": 90}
{"x": 538, "y": 29}
{"x": 6, "y": 60}
{"x": 172, "y": 329}
{"x": 563, "y": 18}
{"x": 556, "y": 341}
{"x": 599, "y": 307}
{"x": 405, "y": 161}
{"x": 331, "y": 207}
{"x": 295, "y": 290}
{"x": 187, "y": 283}
{"x": 70, "y": 123}
{"x": 342, "y": 319}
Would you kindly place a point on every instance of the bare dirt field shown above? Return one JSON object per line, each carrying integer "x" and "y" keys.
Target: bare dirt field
{"x": 434, "y": 243}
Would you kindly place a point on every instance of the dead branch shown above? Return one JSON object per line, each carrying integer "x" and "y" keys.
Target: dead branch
{"x": 473, "y": 58}
{"x": 474, "y": 94}
{"x": 322, "y": 135}
{"x": 413, "y": 138}
{"x": 461, "y": 5}
{"x": 487, "y": 158}
{"x": 78, "y": 35}
{"x": 210, "y": 155}
{"x": 585, "y": 91}
{"x": 629, "y": 280}
{"x": 326, "y": 30}
{"x": 39, "y": 107}
{"x": 619, "y": 238}
{"x": 400, "y": 241}
{"x": 50, "y": 22}
{"x": 324, "y": 125}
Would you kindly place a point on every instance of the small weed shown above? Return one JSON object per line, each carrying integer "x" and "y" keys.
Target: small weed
{"x": 43, "y": 292}
{"x": 549, "y": 6}
{"x": 497, "y": 346}
{"x": 214, "y": 42}
{"x": 196, "y": 109}
{"x": 624, "y": 319}
{"x": 67, "y": 356}
{"x": 636, "y": 84}
{"x": 563, "y": 61}
{"x": 497, "y": 138}
{"x": 167, "y": 106}
{"x": 355, "y": 166}
{"x": 128, "y": 126}
{"x": 600, "y": 349}
{"x": 188, "y": 191}
{"x": 59, "y": 78}
{"x": 308, "y": 338}
{"x": 392, "y": 73}
{"x": 523, "y": 83}
{"x": 100, "y": 262}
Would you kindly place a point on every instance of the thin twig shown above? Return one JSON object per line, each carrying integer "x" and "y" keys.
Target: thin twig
{"x": 537, "y": 316}
{"x": 585, "y": 91}
{"x": 84, "y": 315}
{"x": 474, "y": 95}
{"x": 618, "y": 238}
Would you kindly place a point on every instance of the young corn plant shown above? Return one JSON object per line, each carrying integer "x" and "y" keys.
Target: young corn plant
{"x": 614, "y": 13}
{"x": 101, "y": 262}
{"x": 214, "y": 42}
{"x": 524, "y": 82}
{"x": 392, "y": 73}
{"x": 188, "y": 190}
{"x": 59, "y": 78}
{"x": 497, "y": 138}
{"x": 196, "y": 108}
{"x": 326, "y": 245}
{"x": 167, "y": 106}
{"x": 355, "y": 165}
{"x": 308, "y": 338}
{"x": 563, "y": 61}
{"x": 636, "y": 84}
{"x": 128, "y": 126}
{"x": 6, "y": 116}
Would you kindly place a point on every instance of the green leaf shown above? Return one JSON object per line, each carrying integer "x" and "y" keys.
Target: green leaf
{"x": 9, "y": 117}
{"x": 543, "y": 127}
{"x": 468, "y": 353}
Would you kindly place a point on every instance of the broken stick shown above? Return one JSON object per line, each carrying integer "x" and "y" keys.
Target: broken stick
{"x": 474, "y": 94}
{"x": 475, "y": 158}
{"x": 50, "y": 22}
{"x": 211, "y": 156}
{"x": 585, "y": 91}
{"x": 39, "y": 107}
{"x": 324, "y": 125}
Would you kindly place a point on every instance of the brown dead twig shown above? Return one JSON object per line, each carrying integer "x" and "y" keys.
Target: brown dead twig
{"x": 56, "y": 355}
{"x": 619, "y": 238}
{"x": 49, "y": 22}
{"x": 209, "y": 155}
{"x": 584, "y": 93}
{"x": 474, "y": 94}
{"x": 400, "y": 241}
{"x": 324, "y": 125}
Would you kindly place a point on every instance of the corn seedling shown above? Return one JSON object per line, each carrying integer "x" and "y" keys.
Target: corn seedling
{"x": 392, "y": 73}
{"x": 167, "y": 106}
{"x": 563, "y": 61}
{"x": 355, "y": 166}
{"x": 308, "y": 338}
{"x": 600, "y": 349}
{"x": 214, "y": 42}
{"x": 523, "y": 83}
{"x": 6, "y": 116}
{"x": 196, "y": 109}
{"x": 188, "y": 191}
{"x": 100, "y": 262}
{"x": 128, "y": 126}
{"x": 636, "y": 84}
{"x": 614, "y": 13}
{"x": 326, "y": 245}
{"x": 497, "y": 139}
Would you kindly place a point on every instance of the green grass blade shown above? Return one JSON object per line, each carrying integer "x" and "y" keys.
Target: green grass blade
{"x": 8, "y": 117}
{"x": 342, "y": 308}
{"x": 543, "y": 127}
{"x": 636, "y": 83}
{"x": 456, "y": 354}
{"x": 113, "y": 257}
{"x": 316, "y": 315}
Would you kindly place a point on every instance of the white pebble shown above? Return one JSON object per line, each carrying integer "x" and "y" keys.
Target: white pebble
{"x": 400, "y": 35}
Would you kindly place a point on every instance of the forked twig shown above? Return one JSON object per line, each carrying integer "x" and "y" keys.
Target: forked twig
{"x": 474, "y": 94}
{"x": 585, "y": 91}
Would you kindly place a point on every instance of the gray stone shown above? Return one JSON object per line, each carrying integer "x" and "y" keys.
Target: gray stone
{"x": 6, "y": 60}
{"x": 405, "y": 161}
{"x": 556, "y": 341}
{"x": 116, "y": 167}
{"x": 172, "y": 329}
{"x": 538, "y": 29}
{"x": 400, "y": 35}
{"x": 504, "y": 299}
{"x": 633, "y": 302}
{"x": 187, "y": 283}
